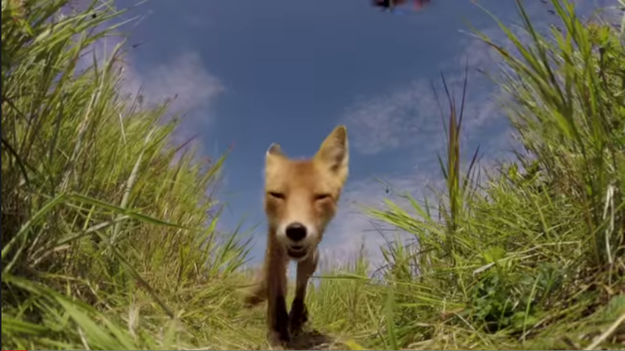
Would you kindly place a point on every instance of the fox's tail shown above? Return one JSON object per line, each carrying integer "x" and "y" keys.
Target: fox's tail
{"x": 257, "y": 293}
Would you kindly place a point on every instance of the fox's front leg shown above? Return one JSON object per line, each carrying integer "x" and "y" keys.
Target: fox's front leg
{"x": 299, "y": 313}
{"x": 277, "y": 316}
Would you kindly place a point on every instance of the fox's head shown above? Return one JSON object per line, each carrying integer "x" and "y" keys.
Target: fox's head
{"x": 301, "y": 195}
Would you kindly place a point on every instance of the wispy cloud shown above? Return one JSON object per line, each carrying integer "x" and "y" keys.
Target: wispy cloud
{"x": 409, "y": 120}
{"x": 184, "y": 81}
{"x": 391, "y": 121}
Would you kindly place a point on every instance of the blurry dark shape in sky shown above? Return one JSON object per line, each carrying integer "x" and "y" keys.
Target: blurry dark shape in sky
{"x": 390, "y": 4}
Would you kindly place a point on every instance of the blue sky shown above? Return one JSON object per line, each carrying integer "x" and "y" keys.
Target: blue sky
{"x": 256, "y": 72}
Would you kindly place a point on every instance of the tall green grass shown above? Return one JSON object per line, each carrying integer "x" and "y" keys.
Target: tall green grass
{"x": 108, "y": 230}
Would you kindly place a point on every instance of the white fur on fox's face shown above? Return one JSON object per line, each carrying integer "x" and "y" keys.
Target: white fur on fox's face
{"x": 289, "y": 235}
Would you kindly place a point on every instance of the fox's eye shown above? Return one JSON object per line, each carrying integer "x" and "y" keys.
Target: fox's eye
{"x": 322, "y": 196}
{"x": 276, "y": 195}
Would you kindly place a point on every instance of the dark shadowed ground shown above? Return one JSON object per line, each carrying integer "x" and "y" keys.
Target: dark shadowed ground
{"x": 313, "y": 340}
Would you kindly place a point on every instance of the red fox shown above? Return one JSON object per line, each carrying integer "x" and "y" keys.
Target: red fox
{"x": 301, "y": 198}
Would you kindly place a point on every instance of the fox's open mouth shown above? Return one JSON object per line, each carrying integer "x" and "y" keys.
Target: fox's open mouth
{"x": 296, "y": 251}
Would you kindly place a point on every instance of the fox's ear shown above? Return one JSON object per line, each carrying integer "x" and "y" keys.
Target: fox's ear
{"x": 273, "y": 154}
{"x": 274, "y": 150}
{"x": 334, "y": 151}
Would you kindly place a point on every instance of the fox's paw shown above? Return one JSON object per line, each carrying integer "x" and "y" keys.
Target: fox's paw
{"x": 297, "y": 317}
{"x": 279, "y": 330}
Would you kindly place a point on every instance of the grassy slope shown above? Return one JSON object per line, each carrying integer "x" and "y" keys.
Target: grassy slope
{"x": 109, "y": 240}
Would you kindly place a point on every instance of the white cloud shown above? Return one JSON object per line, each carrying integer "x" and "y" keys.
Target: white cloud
{"x": 391, "y": 121}
{"x": 411, "y": 120}
{"x": 184, "y": 77}
{"x": 184, "y": 80}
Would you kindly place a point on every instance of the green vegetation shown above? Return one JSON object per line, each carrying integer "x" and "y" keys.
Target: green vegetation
{"x": 109, "y": 238}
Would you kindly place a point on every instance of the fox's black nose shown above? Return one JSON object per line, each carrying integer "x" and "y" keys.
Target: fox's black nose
{"x": 296, "y": 231}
